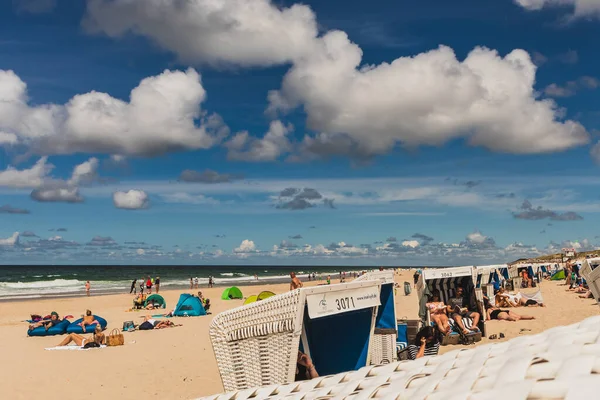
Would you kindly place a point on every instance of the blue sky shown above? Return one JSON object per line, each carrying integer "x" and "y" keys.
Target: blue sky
{"x": 282, "y": 133}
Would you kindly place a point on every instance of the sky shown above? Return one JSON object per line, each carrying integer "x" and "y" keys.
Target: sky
{"x": 259, "y": 132}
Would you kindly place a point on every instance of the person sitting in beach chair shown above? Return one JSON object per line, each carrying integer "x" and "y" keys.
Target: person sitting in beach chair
{"x": 47, "y": 323}
{"x": 305, "y": 369}
{"x": 138, "y": 301}
{"x": 97, "y": 338}
{"x": 426, "y": 344}
{"x": 151, "y": 323}
{"x": 88, "y": 319}
{"x": 505, "y": 315}
{"x": 458, "y": 311}
{"x": 438, "y": 313}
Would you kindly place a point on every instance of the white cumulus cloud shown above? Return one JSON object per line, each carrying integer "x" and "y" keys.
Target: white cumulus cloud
{"x": 410, "y": 243}
{"x": 131, "y": 199}
{"x": 57, "y": 194}
{"x": 161, "y": 115}
{"x": 10, "y": 241}
{"x": 85, "y": 172}
{"x": 581, "y": 8}
{"x": 26, "y": 178}
{"x": 240, "y": 32}
{"x": 243, "y": 147}
{"x": 428, "y": 99}
{"x": 247, "y": 246}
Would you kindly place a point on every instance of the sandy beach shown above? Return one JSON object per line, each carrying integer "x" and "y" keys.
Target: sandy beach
{"x": 178, "y": 363}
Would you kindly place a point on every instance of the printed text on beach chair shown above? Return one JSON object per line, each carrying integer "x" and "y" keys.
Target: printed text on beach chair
{"x": 560, "y": 363}
{"x": 257, "y": 344}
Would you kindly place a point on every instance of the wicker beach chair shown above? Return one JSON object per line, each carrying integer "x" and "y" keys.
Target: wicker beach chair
{"x": 560, "y": 363}
{"x": 257, "y": 344}
{"x": 384, "y": 347}
{"x": 591, "y": 274}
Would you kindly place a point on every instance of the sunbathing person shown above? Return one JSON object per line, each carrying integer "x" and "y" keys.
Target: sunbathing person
{"x": 305, "y": 369}
{"x": 426, "y": 344}
{"x": 458, "y": 311}
{"x": 88, "y": 319}
{"x": 587, "y": 295}
{"x": 47, "y": 323}
{"x": 97, "y": 337}
{"x": 505, "y": 299}
{"x": 437, "y": 311}
{"x": 505, "y": 315}
{"x": 151, "y": 323}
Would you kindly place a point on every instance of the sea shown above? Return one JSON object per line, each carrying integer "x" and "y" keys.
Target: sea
{"x": 36, "y": 281}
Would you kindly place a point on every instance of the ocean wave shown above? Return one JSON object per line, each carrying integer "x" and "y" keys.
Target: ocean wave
{"x": 41, "y": 284}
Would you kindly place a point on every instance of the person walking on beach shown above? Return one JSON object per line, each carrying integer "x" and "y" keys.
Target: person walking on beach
{"x": 149, "y": 285}
{"x": 210, "y": 281}
{"x": 295, "y": 283}
{"x": 196, "y": 282}
{"x": 133, "y": 287}
{"x": 87, "y": 288}
{"x": 141, "y": 285}
{"x": 157, "y": 283}
{"x": 191, "y": 282}
{"x": 328, "y": 279}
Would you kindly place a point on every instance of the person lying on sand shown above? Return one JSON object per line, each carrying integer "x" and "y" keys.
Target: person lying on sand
{"x": 587, "y": 295}
{"x": 506, "y": 299}
{"x": 88, "y": 319}
{"x": 47, "y": 323}
{"x": 97, "y": 337}
{"x": 505, "y": 315}
{"x": 151, "y": 323}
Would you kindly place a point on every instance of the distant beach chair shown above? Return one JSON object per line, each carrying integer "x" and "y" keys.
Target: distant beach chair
{"x": 559, "y": 363}
{"x": 591, "y": 274}
{"x": 257, "y": 344}
{"x": 384, "y": 349}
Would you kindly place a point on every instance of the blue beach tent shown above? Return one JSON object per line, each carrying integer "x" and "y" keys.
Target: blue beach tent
{"x": 189, "y": 306}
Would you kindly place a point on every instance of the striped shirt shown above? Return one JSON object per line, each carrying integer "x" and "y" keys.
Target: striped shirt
{"x": 431, "y": 350}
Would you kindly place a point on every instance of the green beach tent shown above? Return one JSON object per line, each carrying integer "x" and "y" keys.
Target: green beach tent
{"x": 232, "y": 293}
{"x": 558, "y": 275}
{"x": 157, "y": 300}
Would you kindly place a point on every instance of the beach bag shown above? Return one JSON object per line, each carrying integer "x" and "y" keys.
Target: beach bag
{"x": 128, "y": 326}
{"x": 115, "y": 338}
{"x": 91, "y": 345}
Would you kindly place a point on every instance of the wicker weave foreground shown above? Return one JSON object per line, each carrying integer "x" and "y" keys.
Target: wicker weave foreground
{"x": 560, "y": 363}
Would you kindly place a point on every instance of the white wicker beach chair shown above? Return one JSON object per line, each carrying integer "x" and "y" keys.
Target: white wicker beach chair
{"x": 257, "y": 344}
{"x": 560, "y": 363}
{"x": 591, "y": 273}
{"x": 383, "y": 348}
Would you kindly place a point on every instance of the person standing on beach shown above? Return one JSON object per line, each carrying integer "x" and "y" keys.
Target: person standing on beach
{"x": 210, "y": 281}
{"x": 328, "y": 279}
{"x": 157, "y": 283}
{"x": 133, "y": 287}
{"x": 295, "y": 283}
{"x": 141, "y": 285}
{"x": 196, "y": 282}
{"x": 191, "y": 282}
{"x": 149, "y": 285}
{"x": 87, "y": 288}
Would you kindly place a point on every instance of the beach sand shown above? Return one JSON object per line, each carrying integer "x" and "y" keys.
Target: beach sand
{"x": 178, "y": 363}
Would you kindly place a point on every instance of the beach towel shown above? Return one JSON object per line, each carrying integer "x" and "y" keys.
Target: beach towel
{"x": 71, "y": 348}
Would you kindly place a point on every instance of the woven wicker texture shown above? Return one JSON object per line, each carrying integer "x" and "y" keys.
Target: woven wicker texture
{"x": 257, "y": 344}
{"x": 560, "y": 363}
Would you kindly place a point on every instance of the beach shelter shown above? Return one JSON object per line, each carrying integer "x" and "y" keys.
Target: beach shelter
{"x": 558, "y": 275}
{"x": 332, "y": 324}
{"x": 265, "y": 294}
{"x": 232, "y": 293}
{"x": 251, "y": 299}
{"x": 445, "y": 281}
{"x": 156, "y": 300}
{"x": 189, "y": 306}
{"x": 385, "y": 335}
{"x": 591, "y": 274}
